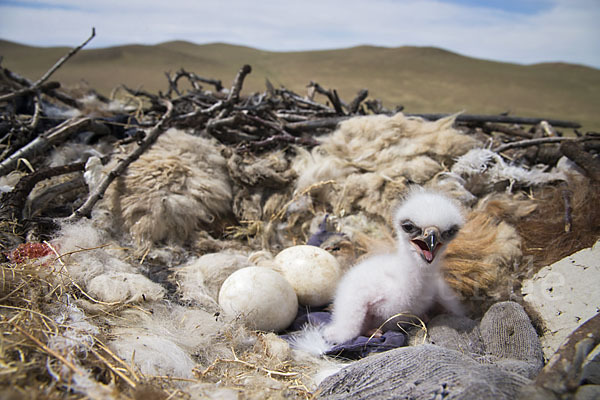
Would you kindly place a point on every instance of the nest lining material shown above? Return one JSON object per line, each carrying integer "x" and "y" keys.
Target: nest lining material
{"x": 88, "y": 321}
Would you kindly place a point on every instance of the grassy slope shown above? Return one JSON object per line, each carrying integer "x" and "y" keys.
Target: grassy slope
{"x": 421, "y": 79}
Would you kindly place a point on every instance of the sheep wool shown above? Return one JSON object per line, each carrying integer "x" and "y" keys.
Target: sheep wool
{"x": 371, "y": 159}
{"x": 92, "y": 263}
{"x": 178, "y": 186}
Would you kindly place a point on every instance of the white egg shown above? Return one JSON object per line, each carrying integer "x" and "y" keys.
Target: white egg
{"x": 261, "y": 297}
{"x": 312, "y": 272}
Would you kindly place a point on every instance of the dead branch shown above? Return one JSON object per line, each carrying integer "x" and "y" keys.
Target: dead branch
{"x": 193, "y": 79}
{"x": 12, "y": 204}
{"x": 504, "y": 119}
{"x": 49, "y": 88}
{"x": 86, "y": 209}
{"x": 48, "y": 73}
{"x": 238, "y": 82}
{"x": 583, "y": 159}
{"x": 43, "y": 142}
{"x": 259, "y": 144}
{"x": 562, "y": 374}
{"x": 302, "y": 101}
{"x": 331, "y": 95}
{"x": 355, "y": 104}
{"x": 531, "y": 142}
{"x": 508, "y": 130}
{"x": 327, "y": 123}
{"x": 567, "y": 196}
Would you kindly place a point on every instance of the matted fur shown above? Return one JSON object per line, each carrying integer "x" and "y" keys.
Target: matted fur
{"x": 546, "y": 239}
{"x": 372, "y": 158}
{"x": 485, "y": 247}
{"x": 180, "y": 185}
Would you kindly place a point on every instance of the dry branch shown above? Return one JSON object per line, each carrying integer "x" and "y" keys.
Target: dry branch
{"x": 531, "y": 142}
{"x": 355, "y": 104}
{"x": 583, "y": 159}
{"x": 331, "y": 95}
{"x": 48, "y": 74}
{"x": 508, "y": 130}
{"x": 562, "y": 374}
{"x": 504, "y": 119}
{"x": 40, "y": 144}
{"x": 14, "y": 201}
{"x": 86, "y": 209}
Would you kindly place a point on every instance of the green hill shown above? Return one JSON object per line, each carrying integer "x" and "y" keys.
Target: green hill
{"x": 422, "y": 79}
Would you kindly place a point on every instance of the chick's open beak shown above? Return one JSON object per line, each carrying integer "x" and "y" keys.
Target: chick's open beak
{"x": 428, "y": 243}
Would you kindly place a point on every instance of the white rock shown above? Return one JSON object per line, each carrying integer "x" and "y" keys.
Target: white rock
{"x": 565, "y": 294}
{"x": 261, "y": 297}
{"x": 312, "y": 272}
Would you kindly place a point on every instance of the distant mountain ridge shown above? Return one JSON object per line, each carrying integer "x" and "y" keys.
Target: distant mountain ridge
{"x": 422, "y": 79}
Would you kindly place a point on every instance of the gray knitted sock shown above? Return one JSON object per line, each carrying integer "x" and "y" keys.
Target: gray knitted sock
{"x": 467, "y": 361}
{"x": 510, "y": 340}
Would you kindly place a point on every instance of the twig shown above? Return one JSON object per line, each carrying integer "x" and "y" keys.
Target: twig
{"x": 355, "y": 104}
{"x": 495, "y": 127}
{"x": 287, "y": 138}
{"x": 500, "y": 119}
{"x": 566, "y": 195}
{"x": 48, "y": 88}
{"x": 562, "y": 374}
{"x": 298, "y": 99}
{"x": 49, "y": 73}
{"x": 42, "y": 142}
{"x": 236, "y": 88}
{"x": 193, "y": 79}
{"x": 326, "y": 123}
{"x": 14, "y": 202}
{"x": 86, "y": 209}
{"x": 531, "y": 142}
{"x": 583, "y": 159}
{"x": 331, "y": 95}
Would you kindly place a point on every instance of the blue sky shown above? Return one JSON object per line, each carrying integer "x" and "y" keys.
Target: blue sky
{"x": 526, "y": 31}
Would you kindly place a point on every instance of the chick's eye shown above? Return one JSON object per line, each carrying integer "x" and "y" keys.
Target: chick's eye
{"x": 450, "y": 233}
{"x": 408, "y": 227}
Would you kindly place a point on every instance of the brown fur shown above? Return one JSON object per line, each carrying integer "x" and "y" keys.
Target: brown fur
{"x": 484, "y": 248}
{"x": 543, "y": 232}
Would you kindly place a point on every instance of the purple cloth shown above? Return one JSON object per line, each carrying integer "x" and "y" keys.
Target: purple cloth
{"x": 320, "y": 235}
{"x": 358, "y": 347}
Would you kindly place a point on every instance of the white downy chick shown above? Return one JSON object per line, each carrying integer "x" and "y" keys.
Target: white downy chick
{"x": 408, "y": 281}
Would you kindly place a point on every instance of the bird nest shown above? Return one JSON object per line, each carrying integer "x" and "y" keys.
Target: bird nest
{"x": 121, "y": 217}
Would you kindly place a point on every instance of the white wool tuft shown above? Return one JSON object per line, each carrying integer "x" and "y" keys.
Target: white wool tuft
{"x": 99, "y": 269}
{"x": 177, "y": 187}
{"x": 167, "y": 340}
{"x": 201, "y": 278}
{"x": 123, "y": 286}
{"x": 310, "y": 340}
{"x": 154, "y": 355}
{"x": 484, "y": 162}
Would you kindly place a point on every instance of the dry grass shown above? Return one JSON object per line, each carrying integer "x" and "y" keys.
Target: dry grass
{"x": 33, "y": 366}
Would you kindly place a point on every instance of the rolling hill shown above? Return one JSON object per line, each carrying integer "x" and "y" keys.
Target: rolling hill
{"x": 422, "y": 79}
